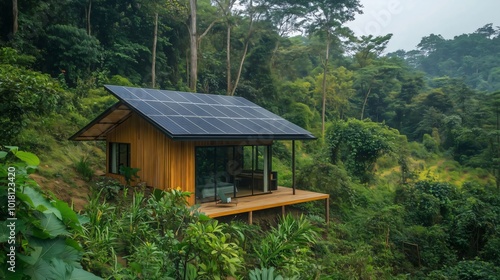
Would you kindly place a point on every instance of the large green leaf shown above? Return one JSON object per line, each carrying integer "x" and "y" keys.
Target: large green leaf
{"x": 51, "y": 225}
{"x": 13, "y": 149}
{"x": 4, "y": 231}
{"x": 36, "y": 200}
{"x": 60, "y": 269}
{"x": 69, "y": 217}
{"x": 80, "y": 274}
{"x": 3, "y": 154}
{"x": 57, "y": 248}
{"x": 29, "y": 158}
{"x": 34, "y": 256}
{"x": 41, "y": 270}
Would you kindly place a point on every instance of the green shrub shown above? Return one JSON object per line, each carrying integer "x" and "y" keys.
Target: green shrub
{"x": 84, "y": 167}
{"x": 288, "y": 247}
{"x": 110, "y": 187}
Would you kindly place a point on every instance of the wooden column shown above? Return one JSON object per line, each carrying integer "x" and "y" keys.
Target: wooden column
{"x": 283, "y": 211}
{"x": 293, "y": 166}
{"x": 250, "y": 217}
{"x": 327, "y": 211}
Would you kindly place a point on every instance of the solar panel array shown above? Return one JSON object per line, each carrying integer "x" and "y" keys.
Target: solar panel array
{"x": 207, "y": 116}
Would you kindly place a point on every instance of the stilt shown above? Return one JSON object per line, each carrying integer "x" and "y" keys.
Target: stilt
{"x": 327, "y": 211}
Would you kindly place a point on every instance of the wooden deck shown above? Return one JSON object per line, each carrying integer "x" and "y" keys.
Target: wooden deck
{"x": 279, "y": 198}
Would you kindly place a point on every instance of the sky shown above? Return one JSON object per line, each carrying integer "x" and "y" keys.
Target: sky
{"x": 410, "y": 20}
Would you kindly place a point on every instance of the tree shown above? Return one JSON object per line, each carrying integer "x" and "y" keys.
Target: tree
{"x": 376, "y": 81}
{"x": 327, "y": 17}
{"x": 358, "y": 144}
{"x": 338, "y": 92}
{"x": 193, "y": 46}
{"x": 24, "y": 94}
{"x": 369, "y": 48}
{"x": 15, "y": 15}
{"x": 73, "y": 52}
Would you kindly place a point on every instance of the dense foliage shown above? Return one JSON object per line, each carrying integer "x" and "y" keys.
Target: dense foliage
{"x": 37, "y": 237}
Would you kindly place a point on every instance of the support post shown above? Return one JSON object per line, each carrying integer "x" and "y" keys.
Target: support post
{"x": 327, "y": 210}
{"x": 293, "y": 166}
{"x": 250, "y": 217}
{"x": 283, "y": 211}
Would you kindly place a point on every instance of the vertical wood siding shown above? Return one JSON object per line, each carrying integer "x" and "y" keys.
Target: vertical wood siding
{"x": 164, "y": 163}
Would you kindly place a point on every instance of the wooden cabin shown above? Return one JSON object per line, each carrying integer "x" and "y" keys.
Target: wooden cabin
{"x": 202, "y": 143}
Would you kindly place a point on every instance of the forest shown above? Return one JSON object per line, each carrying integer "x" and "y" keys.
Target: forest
{"x": 408, "y": 142}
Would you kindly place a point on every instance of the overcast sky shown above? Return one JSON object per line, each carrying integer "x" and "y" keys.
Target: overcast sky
{"x": 410, "y": 20}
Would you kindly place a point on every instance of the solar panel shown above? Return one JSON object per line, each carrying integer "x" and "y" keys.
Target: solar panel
{"x": 174, "y": 128}
{"x": 197, "y": 110}
{"x": 206, "y": 116}
{"x": 179, "y": 108}
{"x": 160, "y": 96}
{"x": 163, "y": 108}
{"x": 212, "y": 111}
{"x": 186, "y": 124}
{"x": 178, "y": 97}
{"x": 209, "y": 128}
{"x": 194, "y": 98}
{"x": 144, "y": 107}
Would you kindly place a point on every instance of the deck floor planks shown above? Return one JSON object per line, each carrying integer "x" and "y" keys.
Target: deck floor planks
{"x": 281, "y": 197}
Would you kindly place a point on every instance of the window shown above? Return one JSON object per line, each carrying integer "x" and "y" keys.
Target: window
{"x": 119, "y": 154}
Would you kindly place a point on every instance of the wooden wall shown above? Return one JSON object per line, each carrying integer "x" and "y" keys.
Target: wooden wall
{"x": 164, "y": 163}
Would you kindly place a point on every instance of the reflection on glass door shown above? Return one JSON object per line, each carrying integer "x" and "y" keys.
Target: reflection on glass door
{"x": 212, "y": 173}
{"x": 253, "y": 177}
{"x": 235, "y": 171}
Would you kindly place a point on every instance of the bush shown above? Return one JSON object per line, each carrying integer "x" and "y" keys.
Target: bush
{"x": 288, "y": 247}
{"x": 83, "y": 167}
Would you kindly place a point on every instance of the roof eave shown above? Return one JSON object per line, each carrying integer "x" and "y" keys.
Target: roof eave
{"x": 226, "y": 137}
{"x": 96, "y": 120}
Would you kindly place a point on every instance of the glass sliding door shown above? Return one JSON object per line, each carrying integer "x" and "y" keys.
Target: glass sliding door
{"x": 253, "y": 178}
{"x": 212, "y": 173}
{"x": 236, "y": 171}
{"x": 204, "y": 174}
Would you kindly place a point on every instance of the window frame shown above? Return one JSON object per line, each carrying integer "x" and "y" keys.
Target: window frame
{"x": 116, "y": 151}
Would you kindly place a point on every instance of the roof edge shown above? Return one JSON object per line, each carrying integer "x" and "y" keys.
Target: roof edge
{"x": 95, "y": 120}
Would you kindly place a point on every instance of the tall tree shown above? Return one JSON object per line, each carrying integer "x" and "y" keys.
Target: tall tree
{"x": 327, "y": 18}
{"x": 193, "y": 46}
{"x": 88, "y": 11}
{"x": 15, "y": 14}
{"x": 286, "y": 16}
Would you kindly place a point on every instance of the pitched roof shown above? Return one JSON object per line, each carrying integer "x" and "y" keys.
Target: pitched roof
{"x": 192, "y": 116}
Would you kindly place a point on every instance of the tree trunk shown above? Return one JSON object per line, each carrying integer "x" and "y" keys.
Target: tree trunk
{"x": 15, "y": 13}
{"x": 275, "y": 51}
{"x": 87, "y": 16}
{"x": 228, "y": 60}
{"x": 364, "y": 103}
{"x": 240, "y": 68}
{"x": 325, "y": 71}
{"x": 153, "y": 64}
{"x": 193, "y": 79}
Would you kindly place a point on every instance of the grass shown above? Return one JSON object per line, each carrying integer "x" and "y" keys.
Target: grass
{"x": 84, "y": 168}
